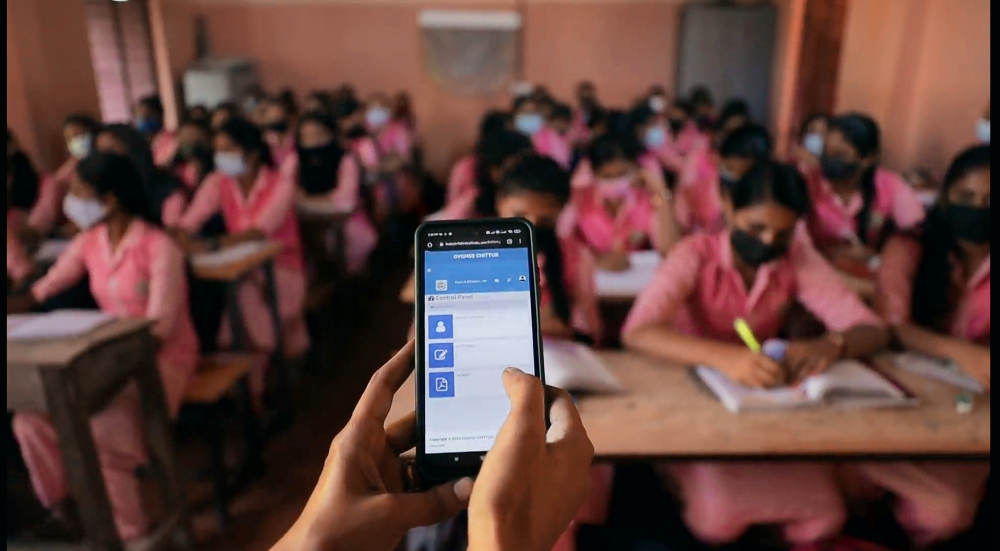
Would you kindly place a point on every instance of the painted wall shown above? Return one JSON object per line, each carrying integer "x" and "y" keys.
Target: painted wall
{"x": 922, "y": 69}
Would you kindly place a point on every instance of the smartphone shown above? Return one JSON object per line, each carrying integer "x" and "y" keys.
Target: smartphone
{"x": 476, "y": 313}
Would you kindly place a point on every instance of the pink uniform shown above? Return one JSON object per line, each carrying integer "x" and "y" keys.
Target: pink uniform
{"x": 173, "y": 208}
{"x": 579, "y": 130}
{"x": 269, "y": 208}
{"x": 395, "y": 138}
{"x": 47, "y": 212}
{"x": 462, "y": 179}
{"x": 699, "y": 199}
{"x": 690, "y": 139}
{"x": 188, "y": 173}
{"x": 834, "y": 222}
{"x": 143, "y": 278}
{"x": 698, "y": 291}
{"x": 549, "y": 143}
{"x": 937, "y": 500}
{"x": 579, "y": 269}
{"x": 282, "y": 150}
{"x": 164, "y": 148}
{"x": 18, "y": 263}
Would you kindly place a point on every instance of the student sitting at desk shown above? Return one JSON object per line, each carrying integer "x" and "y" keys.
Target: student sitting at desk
{"x": 279, "y": 114}
{"x": 148, "y": 115}
{"x": 530, "y": 119}
{"x": 812, "y": 142}
{"x": 755, "y": 270}
{"x": 462, "y": 180}
{"x": 935, "y": 292}
{"x": 328, "y": 174}
{"x": 136, "y": 271}
{"x": 193, "y": 159}
{"x": 257, "y": 202}
{"x": 22, "y": 192}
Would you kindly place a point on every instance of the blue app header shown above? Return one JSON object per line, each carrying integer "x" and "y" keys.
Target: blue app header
{"x": 476, "y": 271}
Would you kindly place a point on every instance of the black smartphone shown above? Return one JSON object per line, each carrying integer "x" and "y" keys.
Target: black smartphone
{"x": 476, "y": 313}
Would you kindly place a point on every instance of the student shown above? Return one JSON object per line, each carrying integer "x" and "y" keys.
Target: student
{"x": 530, "y": 119}
{"x": 165, "y": 192}
{"x": 46, "y": 214}
{"x": 257, "y": 202}
{"x": 22, "y": 193}
{"x": 148, "y": 115}
{"x": 856, "y": 203}
{"x": 393, "y": 138}
{"x": 703, "y": 104}
{"x": 652, "y": 131}
{"x": 199, "y": 113}
{"x": 657, "y": 99}
{"x": 687, "y": 137}
{"x": 278, "y": 118}
{"x": 135, "y": 271}
{"x": 193, "y": 160}
{"x": 223, "y": 113}
{"x": 934, "y": 290}
{"x": 537, "y": 189}
{"x": 561, "y": 120}
{"x": 619, "y": 205}
{"x": 327, "y": 173}
{"x": 402, "y": 111}
{"x": 812, "y": 141}
{"x": 753, "y": 269}
{"x": 319, "y": 100}
{"x": 462, "y": 180}
{"x": 586, "y": 104}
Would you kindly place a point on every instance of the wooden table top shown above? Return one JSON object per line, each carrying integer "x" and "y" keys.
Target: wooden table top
{"x": 57, "y": 353}
{"x": 236, "y": 270}
{"x": 663, "y": 413}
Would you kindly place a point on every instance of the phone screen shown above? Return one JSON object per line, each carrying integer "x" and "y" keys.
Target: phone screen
{"x": 478, "y": 318}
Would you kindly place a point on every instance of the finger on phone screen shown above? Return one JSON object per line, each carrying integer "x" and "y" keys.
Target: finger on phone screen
{"x": 376, "y": 401}
{"x": 527, "y": 399}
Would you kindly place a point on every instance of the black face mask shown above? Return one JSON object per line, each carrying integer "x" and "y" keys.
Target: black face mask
{"x": 838, "y": 169}
{"x": 278, "y": 126}
{"x": 971, "y": 224}
{"x": 676, "y": 125}
{"x": 357, "y": 131}
{"x": 753, "y": 251}
{"x": 318, "y": 167}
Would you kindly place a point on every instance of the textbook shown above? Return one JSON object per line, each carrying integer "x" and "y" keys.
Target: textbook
{"x": 940, "y": 370}
{"x": 848, "y": 384}
{"x": 575, "y": 367}
{"x": 55, "y": 325}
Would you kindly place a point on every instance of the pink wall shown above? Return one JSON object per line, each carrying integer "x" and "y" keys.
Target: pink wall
{"x": 922, "y": 69}
{"x": 18, "y": 112}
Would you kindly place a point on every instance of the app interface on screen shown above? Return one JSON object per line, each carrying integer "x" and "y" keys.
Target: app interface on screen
{"x": 477, "y": 308}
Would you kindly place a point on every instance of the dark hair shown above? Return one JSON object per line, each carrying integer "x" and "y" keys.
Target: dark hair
{"x": 598, "y": 116}
{"x": 232, "y": 108}
{"x": 684, "y": 106}
{"x": 808, "y": 121}
{"x": 24, "y": 185}
{"x": 403, "y": 109}
{"x": 153, "y": 103}
{"x": 864, "y": 135}
{"x": 734, "y": 108}
{"x": 345, "y": 107}
{"x": 535, "y": 173}
{"x": 202, "y": 124}
{"x": 521, "y": 100}
{"x": 249, "y": 138}
{"x": 609, "y": 147}
{"x": 640, "y": 115}
{"x": 159, "y": 184}
{"x": 750, "y": 141}
{"x": 117, "y": 175}
{"x": 336, "y": 153}
{"x": 324, "y": 98}
{"x": 491, "y": 153}
{"x": 932, "y": 304}
{"x": 562, "y": 112}
{"x": 84, "y": 121}
{"x": 203, "y": 116}
{"x": 701, "y": 96}
{"x": 492, "y": 122}
{"x": 286, "y": 99}
{"x": 770, "y": 181}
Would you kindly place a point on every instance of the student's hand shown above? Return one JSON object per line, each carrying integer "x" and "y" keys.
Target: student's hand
{"x": 408, "y": 294}
{"x": 534, "y": 480}
{"x": 752, "y": 369}
{"x": 810, "y": 357}
{"x": 974, "y": 360}
{"x": 359, "y": 503}
{"x": 615, "y": 261}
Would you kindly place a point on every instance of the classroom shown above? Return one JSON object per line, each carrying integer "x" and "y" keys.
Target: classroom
{"x": 498, "y": 275}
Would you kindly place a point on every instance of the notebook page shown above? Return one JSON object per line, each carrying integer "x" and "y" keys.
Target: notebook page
{"x": 642, "y": 268}
{"x": 14, "y": 320}
{"x": 851, "y": 380}
{"x": 228, "y": 255}
{"x": 51, "y": 249}
{"x": 939, "y": 370}
{"x": 573, "y": 366}
{"x": 737, "y": 397}
{"x": 59, "y": 324}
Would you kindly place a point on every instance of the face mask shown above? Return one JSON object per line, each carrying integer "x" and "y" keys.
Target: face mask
{"x": 615, "y": 189}
{"x": 927, "y": 198}
{"x": 357, "y": 131}
{"x": 814, "y": 143}
{"x": 318, "y": 168}
{"x": 230, "y": 163}
{"x": 376, "y": 117}
{"x": 280, "y": 127}
{"x": 983, "y": 131}
{"x": 85, "y": 213}
{"x": 971, "y": 224}
{"x": 676, "y": 125}
{"x": 657, "y": 104}
{"x": 753, "y": 251}
{"x": 529, "y": 124}
{"x": 655, "y": 137}
{"x": 148, "y": 126}
{"x": 79, "y": 147}
{"x": 838, "y": 169}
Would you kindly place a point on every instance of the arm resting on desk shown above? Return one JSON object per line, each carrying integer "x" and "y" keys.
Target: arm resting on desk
{"x": 66, "y": 272}
{"x": 972, "y": 358}
{"x": 670, "y": 345}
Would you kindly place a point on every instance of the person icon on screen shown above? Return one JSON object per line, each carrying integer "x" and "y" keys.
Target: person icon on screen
{"x": 440, "y": 328}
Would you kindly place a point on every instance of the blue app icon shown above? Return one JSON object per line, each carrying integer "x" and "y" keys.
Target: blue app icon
{"x": 440, "y": 327}
{"x": 442, "y": 354}
{"x": 442, "y": 385}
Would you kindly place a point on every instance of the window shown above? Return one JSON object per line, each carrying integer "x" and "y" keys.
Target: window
{"x": 122, "y": 53}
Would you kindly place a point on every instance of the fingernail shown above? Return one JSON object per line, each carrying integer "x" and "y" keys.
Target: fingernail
{"x": 463, "y": 489}
{"x": 513, "y": 370}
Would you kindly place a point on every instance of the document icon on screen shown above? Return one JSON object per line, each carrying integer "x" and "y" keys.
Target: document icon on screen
{"x": 441, "y": 385}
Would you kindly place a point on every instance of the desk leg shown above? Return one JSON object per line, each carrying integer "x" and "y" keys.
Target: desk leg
{"x": 241, "y": 342}
{"x": 284, "y": 381}
{"x": 156, "y": 421}
{"x": 83, "y": 469}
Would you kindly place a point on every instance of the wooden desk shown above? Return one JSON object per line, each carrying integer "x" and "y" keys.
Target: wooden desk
{"x": 235, "y": 271}
{"x": 72, "y": 378}
{"x": 665, "y": 414}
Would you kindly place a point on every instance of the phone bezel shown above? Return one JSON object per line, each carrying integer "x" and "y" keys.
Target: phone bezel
{"x": 437, "y": 468}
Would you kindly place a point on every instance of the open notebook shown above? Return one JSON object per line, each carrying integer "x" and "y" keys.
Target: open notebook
{"x": 228, "y": 255}
{"x": 847, "y": 384}
{"x": 573, "y": 366}
{"x": 55, "y": 325}
{"x": 940, "y": 370}
{"x": 642, "y": 268}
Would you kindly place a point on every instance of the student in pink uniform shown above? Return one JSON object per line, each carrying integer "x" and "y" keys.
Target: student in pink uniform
{"x": 857, "y": 204}
{"x": 222, "y": 113}
{"x": 684, "y": 130}
{"x": 618, "y": 205}
{"x": 148, "y": 115}
{"x": 812, "y": 142}
{"x": 586, "y": 104}
{"x": 256, "y": 202}
{"x": 165, "y": 192}
{"x": 192, "y": 161}
{"x": 328, "y": 174}
{"x": 934, "y": 290}
{"x": 652, "y": 131}
{"x": 753, "y": 269}
{"x": 393, "y": 138}
{"x": 530, "y": 120}
{"x": 555, "y": 138}
{"x": 462, "y": 180}
{"x": 402, "y": 111}
{"x": 135, "y": 270}
{"x": 703, "y": 106}
{"x": 279, "y": 114}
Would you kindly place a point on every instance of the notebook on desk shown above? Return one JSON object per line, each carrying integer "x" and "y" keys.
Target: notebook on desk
{"x": 848, "y": 384}
{"x": 55, "y": 325}
{"x": 575, "y": 367}
{"x": 938, "y": 369}
{"x": 228, "y": 255}
{"x": 642, "y": 268}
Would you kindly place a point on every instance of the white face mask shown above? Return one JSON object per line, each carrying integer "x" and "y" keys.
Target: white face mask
{"x": 658, "y": 104}
{"x": 814, "y": 143}
{"x": 927, "y": 197}
{"x": 85, "y": 213}
{"x": 376, "y": 117}
{"x": 79, "y": 146}
{"x": 230, "y": 163}
{"x": 983, "y": 130}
